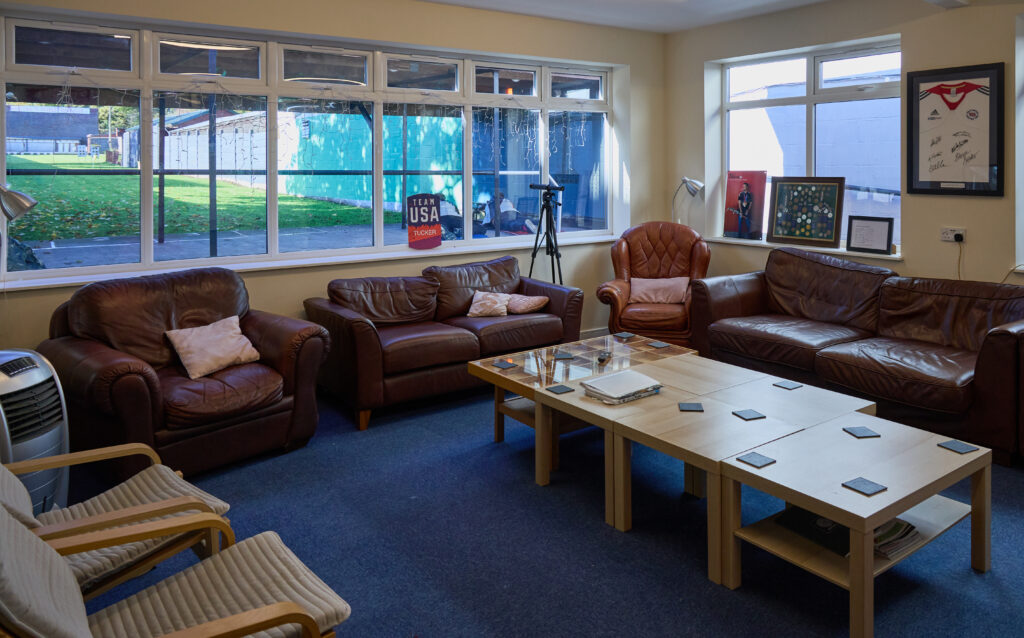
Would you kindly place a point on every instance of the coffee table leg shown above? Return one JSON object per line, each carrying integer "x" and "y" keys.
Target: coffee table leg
{"x": 542, "y": 443}
{"x": 862, "y": 584}
{"x": 694, "y": 481}
{"x": 731, "y": 517}
{"x": 981, "y": 519}
{"x": 621, "y": 498}
{"x": 499, "y": 418}
{"x": 714, "y": 509}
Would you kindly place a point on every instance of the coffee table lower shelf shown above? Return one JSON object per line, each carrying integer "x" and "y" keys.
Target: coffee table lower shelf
{"x": 931, "y": 518}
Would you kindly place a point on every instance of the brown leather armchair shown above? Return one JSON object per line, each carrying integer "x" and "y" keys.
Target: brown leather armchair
{"x": 124, "y": 382}
{"x": 654, "y": 250}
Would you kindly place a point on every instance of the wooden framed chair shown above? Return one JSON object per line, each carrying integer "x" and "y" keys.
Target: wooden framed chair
{"x": 252, "y": 586}
{"x": 157, "y": 492}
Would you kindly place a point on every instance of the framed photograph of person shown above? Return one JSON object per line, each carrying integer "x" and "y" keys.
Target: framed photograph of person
{"x": 955, "y": 131}
{"x": 806, "y": 210}
{"x": 744, "y": 204}
{"x": 869, "y": 234}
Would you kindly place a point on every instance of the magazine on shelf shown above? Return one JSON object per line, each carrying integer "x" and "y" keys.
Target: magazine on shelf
{"x": 892, "y": 540}
{"x": 620, "y": 387}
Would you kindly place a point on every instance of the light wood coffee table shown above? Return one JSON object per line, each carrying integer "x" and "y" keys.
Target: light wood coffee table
{"x": 809, "y": 470}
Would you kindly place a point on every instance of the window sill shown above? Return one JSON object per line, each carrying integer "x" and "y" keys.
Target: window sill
{"x": 841, "y": 252}
{"x": 256, "y": 263}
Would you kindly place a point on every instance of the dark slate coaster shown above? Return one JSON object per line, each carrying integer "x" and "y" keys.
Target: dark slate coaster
{"x": 861, "y": 432}
{"x": 864, "y": 486}
{"x": 755, "y": 459}
{"x": 691, "y": 407}
{"x": 659, "y": 344}
{"x": 786, "y": 384}
{"x": 563, "y": 355}
{"x": 623, "y": 335}
{"x": 504, "y": 365}
{"x": 559, "y": 389}
{"x": 748, "y": 415}
{"x": 958, "y": 446}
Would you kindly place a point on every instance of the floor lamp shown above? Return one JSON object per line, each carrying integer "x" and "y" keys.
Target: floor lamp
{"x": 694, "y": 187}
{"x": 14, "y": 203}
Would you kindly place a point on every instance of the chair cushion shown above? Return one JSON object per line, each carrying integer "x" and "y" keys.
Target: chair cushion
{"x": 14, "y": 498}
{"x": 510, "y": 333}
{"x": 223, "y": 394}
{"x": 154, "y": 484}
{"x": 387, "y": 300}
{"x": 256, "y": 572}
{"x": 654, "y": 316}
{"x": 425, "y": 344}
{"x": 917, "y": 373}
{"x": 525, "y": 304}
{"x": 779, "y": 338}
{"x": 666, "y": 290}
{"x": 458, "y": 283}
{"x": 38, "y": 593}
{"x": 206, "y": 349}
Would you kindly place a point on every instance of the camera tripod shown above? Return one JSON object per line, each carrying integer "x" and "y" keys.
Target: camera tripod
{"x": 546, "y": 229}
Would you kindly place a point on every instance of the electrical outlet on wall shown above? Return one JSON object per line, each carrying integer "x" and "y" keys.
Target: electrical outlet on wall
{"x": 950, "y": 234}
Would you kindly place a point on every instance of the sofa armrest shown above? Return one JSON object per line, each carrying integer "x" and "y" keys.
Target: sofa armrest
{"x": 355, "y": 364}
{"x": 716, "y": 298}
{"x": 564, "y": 301}
{"x": 95, "y": 377}
{"x": 296, "y": 348}
{"x": 995, "y": 419}
{"x": 615, "y": 293}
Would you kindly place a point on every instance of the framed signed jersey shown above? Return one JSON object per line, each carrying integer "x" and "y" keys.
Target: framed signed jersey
{"x": 955, "y": 131}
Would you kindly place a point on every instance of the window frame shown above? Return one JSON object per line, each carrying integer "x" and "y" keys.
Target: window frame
{"x": 242, "y": 84}
{"x": 502, "y": 99}
{"x": 99, "y": 75}
{"x": 278, "y": 49}
{"x": 382, "y": 75}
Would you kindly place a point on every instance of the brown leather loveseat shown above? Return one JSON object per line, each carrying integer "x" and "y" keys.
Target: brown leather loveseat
{"x": 401, "y": 338}
{"x": 125, "y": 383}
{"x": 937, "y": 354}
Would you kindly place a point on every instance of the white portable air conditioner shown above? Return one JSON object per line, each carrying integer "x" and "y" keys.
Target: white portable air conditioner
{"x": 33, "y": 423}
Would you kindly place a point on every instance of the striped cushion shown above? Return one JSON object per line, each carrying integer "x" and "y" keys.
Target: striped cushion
{"x": 153, "y": 484}
{"x": 38, "y": 594}
{"x": 15, "y": 498}
{"x": 256, "y": 572}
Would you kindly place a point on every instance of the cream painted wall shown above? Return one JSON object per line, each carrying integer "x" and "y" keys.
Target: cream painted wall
{"x": 24, "y": 315}
{"x": 931, "y": 38}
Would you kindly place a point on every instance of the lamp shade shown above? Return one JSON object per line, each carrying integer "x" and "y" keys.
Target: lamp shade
{"x": 694, "y": 187}
{"x": 14, "y": 203}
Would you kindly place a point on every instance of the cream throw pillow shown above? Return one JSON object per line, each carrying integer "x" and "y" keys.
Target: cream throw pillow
{"x": 667, "y": 290}
{"x": 488, "y": 304}
{"x": 523, "y": 304}
{"x": 207, "y": 349}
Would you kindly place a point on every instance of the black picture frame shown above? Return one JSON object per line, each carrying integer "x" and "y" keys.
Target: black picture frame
{"x": 858, "y": 242}
{"x": 948, "y": 137}
{"x": 806, "y": 210}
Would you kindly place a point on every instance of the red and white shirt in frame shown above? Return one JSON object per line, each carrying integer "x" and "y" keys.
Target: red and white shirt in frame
{"x": 954, "y": 131}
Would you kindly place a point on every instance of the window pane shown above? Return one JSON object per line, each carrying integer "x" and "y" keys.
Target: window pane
{"x": 209, "y": 192}
{"x": 73, "y": 150}
{"x": 767, "y": 80}
{"x": 577, "y": 87}
{"x": 55, "y": 47}
{"x": 867, "y": 69}
{"x": 325, "y": 174}
{"x": 861, "y": 141}
{"x": 504, "y": 81}
{"x": 576, "y": 147}
{"x": 772, "y": 139}
{"x": 316, "y": 66}
{"x": 413, "y": 74}
{"x": 195, "y": 58}
{"x": 506, "y": 160}
{"x": 422, "y": 154}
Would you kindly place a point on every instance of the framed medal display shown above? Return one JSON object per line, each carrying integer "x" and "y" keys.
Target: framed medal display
{"x": 806, "y": 210}
{"x": 955, "y": 131}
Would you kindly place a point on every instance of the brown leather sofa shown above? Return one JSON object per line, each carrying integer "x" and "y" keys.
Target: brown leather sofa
{"x": 401, "y": 338}
{"x": 654, "y": 250}
{"x": 937, "y": 354}
{"x": 124, "y": 382}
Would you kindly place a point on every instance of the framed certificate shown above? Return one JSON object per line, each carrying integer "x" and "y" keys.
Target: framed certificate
{"x": 869, "y": 234}
{"x": 955, "y": 131}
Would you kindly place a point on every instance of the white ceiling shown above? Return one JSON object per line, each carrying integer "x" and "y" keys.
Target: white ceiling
{"x": 664, "y": 16}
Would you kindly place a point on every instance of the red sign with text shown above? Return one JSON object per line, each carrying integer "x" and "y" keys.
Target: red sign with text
{"x": 424, "y": 221}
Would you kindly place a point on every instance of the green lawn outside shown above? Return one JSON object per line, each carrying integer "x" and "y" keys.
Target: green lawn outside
{"x": 85, "y": 206}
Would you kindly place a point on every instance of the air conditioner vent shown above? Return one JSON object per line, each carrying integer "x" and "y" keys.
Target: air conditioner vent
{"x": 17, "y": 366}
{"x": 31, "y": 411}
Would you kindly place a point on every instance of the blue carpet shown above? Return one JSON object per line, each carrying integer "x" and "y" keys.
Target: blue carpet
{"x": 429, "y": 528}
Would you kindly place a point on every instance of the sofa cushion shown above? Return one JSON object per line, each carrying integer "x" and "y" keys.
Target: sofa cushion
{"x": 664, "y": 290}
{"x": 525, "y": 304}
{"x": 654, "y": 316}
{"x": 824, "y": 288}
{"x": 917, "y": 373}
{"x": 387, "y": 300}
{"x": 458, "y": 283}
{"x": 223, "y": 394}
{"x": 424, "y": 344}
{"x": 132, "y": 314}
{"x": 498, "y": 335}
{"x": 946, "y": 312}
{"x": 206, "y": 349}
{"x": 489, "y": 304}
{"x": 779, "y": 338}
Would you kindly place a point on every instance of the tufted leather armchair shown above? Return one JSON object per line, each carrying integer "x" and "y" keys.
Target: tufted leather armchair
{"x": 654, "y": 250}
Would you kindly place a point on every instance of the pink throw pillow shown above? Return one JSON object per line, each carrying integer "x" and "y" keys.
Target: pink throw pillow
{"x": 523, "y": 304}
{"x": 667, "y": 290}
{"x": 488, "y": 304}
